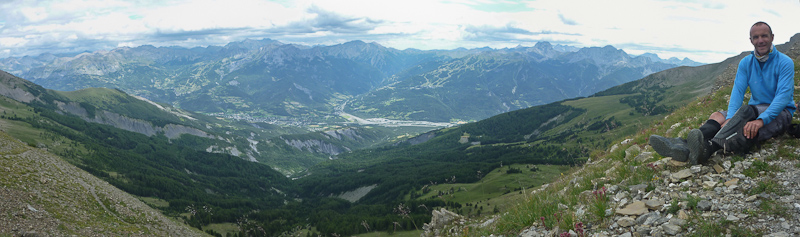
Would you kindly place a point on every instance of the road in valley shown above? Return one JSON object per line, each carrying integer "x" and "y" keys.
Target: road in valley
{"x": 388, "y": 122}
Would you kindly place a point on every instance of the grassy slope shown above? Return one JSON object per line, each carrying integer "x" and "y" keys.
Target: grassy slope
{"x": 610, "y": 166}
{"x": 497, "y": 189}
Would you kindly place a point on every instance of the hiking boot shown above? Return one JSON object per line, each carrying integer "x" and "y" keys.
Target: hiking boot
{"x": 699, "y": 147}
{"x": 670, "y": 147}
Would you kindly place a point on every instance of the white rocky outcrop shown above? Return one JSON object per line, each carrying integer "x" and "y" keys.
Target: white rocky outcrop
{"x": 172, "y": 131}
{"x": 441, "y": 220}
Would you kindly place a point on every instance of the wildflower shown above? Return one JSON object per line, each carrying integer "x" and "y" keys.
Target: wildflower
{"x": 543, "y": 225}
{"x": 579, "y": 228}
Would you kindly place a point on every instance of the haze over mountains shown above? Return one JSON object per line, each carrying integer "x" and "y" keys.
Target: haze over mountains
{"x": 291, "y": 84}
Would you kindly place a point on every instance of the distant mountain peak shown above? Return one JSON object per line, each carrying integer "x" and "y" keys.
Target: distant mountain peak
{"x": 355, "y": 42}
{"x": 543, "y": 44}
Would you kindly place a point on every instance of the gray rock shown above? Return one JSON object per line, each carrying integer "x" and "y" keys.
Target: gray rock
{"x": 439, "y": 219}
{"x": 643, "y": 218}
{"x": 727, "y": 165}
{"x": 654, "y": 204}
{"x": 704, "y": 205}
{"x": 636, "y": 208}
{"x": 644, "y": 156}
{"x": 685, "y": 173}
{"x": 751, "y": 198}
{"x": 626, "y": 222}
{"x": 671, "y": 229}
{"x": 639, "y": 188}
{"x": 778, "y": 234}
{"x": 677, "y": 221}
{"x": 651, "y": 220}
{"x": 643, "y": 230}
{"x": 696, "y": 169}
{"x": 530, "y": 232}
{"x": 632, "y": 151}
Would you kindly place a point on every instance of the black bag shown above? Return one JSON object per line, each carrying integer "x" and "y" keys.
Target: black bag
{"x": 794, "y": 130}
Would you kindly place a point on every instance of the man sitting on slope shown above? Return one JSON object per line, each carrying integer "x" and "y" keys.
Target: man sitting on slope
{"x": 770, "y": 76}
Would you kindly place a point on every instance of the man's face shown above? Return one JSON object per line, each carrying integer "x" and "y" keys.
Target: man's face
{"x": 761, "y": 38}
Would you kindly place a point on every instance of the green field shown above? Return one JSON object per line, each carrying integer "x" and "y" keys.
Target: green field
{"x": 497, "y": 190}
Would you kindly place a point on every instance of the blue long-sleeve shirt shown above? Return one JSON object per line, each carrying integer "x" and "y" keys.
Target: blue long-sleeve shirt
{"x": 772, "y": 83}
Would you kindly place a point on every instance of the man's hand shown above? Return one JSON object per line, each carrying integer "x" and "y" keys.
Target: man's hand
{"x": 752, "y": 127}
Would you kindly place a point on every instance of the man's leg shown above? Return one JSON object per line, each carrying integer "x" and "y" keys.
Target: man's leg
{"x": 779, "y": 125}
{"x": 698, "y": 139}
{"x": 677, "y": 148}
{"x": 735, "y": 141}
{"x": 729, "y": 137}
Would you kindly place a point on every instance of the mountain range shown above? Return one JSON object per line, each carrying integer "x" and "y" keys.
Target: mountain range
{"x": 267, "y": 80}
{"x": 285, "y": 90}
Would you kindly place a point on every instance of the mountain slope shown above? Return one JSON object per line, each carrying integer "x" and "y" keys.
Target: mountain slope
{"x": 44, "y": 195}
{"x": 169, "y": 165}
{"x": 481, "y": 85}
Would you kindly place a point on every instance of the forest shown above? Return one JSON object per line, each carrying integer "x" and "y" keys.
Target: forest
{"x": 405, "y": 168}
{"x": 203, "y": 188}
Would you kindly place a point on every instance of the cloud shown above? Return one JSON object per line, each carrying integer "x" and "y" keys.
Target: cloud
{"x": 337, "y": 23}
{"x": 508, "y": 34}
{"x": 707, "y": 29}
{"x": 566, "y": 21}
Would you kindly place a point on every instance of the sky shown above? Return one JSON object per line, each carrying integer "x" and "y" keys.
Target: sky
{"x": 704, "y": 31}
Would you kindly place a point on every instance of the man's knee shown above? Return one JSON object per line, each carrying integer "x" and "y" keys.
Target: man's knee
{"x": 717, "y": 116}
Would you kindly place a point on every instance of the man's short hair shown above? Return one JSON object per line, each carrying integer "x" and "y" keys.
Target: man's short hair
{"x": 764, "y": 23}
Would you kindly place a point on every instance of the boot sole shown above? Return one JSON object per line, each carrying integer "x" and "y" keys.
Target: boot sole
{"x": 696, "y": 147}
{"x": 664, "y": 148}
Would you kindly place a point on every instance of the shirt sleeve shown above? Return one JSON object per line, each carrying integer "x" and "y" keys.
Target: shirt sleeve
{"x": 739, "y": 88}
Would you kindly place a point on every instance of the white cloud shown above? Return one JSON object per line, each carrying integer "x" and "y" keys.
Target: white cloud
{"x": 11, "y": 42}
{"x": 34, "y": 14}
{"x": 707, "y": 31}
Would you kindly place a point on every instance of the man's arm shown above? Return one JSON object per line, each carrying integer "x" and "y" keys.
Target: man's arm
{"x": 739, "y": 87}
